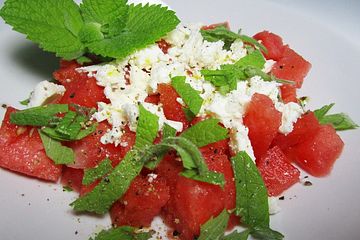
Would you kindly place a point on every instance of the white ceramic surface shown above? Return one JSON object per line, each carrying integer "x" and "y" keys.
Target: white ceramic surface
{"x": 324, "y": 34}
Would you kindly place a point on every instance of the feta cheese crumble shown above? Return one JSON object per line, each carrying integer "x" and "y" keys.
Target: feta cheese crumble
{"x": 188, "y": 55}
{"x": 45, "y": 92}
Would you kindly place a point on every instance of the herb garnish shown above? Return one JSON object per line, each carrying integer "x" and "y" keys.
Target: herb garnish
{"x": 109, "y": 28}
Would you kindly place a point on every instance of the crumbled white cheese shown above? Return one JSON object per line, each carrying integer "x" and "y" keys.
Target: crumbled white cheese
{"x": 290, "y": 113}
{"x": 268, "y": 65}
{"x": 151, "y": 177}
{"x": 45, "y": 92}
{"x": 273, "y": 205}
{"x": 188, "y": 55}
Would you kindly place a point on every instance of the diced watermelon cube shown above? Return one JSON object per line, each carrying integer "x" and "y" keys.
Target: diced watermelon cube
{"x": 21, "y": 150}
{"x": 273, "y": 44}
{"x": 89, "y": 151}
{"x": 288, "y": 93}
{"x": 317, "y": 154}
{"x": 72, "y": 178}
{"x": 172, "y": 109}
{"x": 80, "y": 89}
{"x": 263, "y": 121}
{"x": 141, "y": 203}
{"x": 278, "y": 174}
{"x": 304, "y": 128}
{"x": 291, "y": 67}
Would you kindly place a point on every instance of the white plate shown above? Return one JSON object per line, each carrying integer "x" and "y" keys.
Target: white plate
{"x": 329, "y": 209}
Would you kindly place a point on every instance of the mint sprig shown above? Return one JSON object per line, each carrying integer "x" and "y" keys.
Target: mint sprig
{"x": 109, "y": 28}
{"x": 122, "y": 233}
{"x": 190, "y": 96}
{"x": 228, "y": 37}
{"x": 147, "y": 128}
{"x": 340, "y": 121}
{"x": 214, "y": 228}
{"x": 93, "y": 174}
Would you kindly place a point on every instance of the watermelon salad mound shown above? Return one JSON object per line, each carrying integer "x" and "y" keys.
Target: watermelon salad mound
{"x": 148, "y": 116}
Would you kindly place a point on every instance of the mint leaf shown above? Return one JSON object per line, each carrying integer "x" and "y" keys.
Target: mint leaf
{"x": 255, "y": 59}
{"x": 54, "y": 25}
{"x": 190, "y": 96}
{"x": 214, "y": 228}
{"x": 251, "y": 194}
{"x": 205, "y": 132}
{"x": 144, "y": 26}
{"x": 122, "y": 233}
{"x": 228, "y": 37}
{"x": 92, "y": 174}
{"x": 25, "y": 102}
{"x": 103, "y": 11}
{"x": 235, "y": 235}
{"x": 57, "y": 152}
{"x": 168, "y": 131}
{"x": 37, "y": 116}
{"x": 111, "y": 188}
{"x": 320, "y": 113}
{"x": 84, "y": 132}
{"x": 70, "y": 125}
{"x": 90, "y": 32}
{"x": 147, "y": 128}
{"x": 265, "y": 233}
{"x": 340, "y": 121}
{"x": 188, "y": 114}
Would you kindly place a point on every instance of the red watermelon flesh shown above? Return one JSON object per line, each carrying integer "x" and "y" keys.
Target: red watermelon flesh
{"x": 22, "y": 151}
{"x": 291, "y": 67}
{"x": 263, "y": 121}
{"x": 278, "y": 174}
{"x": 273, "y": 44}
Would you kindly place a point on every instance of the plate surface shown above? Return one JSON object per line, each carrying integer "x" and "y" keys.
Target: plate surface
{"x": 330, "y": 209}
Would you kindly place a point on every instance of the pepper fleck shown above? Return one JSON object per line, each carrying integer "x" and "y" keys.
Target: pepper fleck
{"x": 281, "y": 198}
{"x": 72, "y": 95}
{"x": 308, "y": 183}
{"x": 4, "y": 105}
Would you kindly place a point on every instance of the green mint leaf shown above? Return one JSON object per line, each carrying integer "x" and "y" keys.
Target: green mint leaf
{"x": 320, "y": 113}
{"x": 82, "y": 60}
{"x": 112, "y": 187}
{"x": 188, "y": 114}
{"x": 147, "y": 128}
{"x": 25, "y": 102}
{"x": 144, "y": 26}
{"x": 214, "y": 228}
{"x": 205, "y": 132}
{"x": 122, "y": 233}
{"x": 235, "y": 235}
{"x": 208, "y": 177}
{"x": 251, "y": 194}
{"x": 57, "y": 152}
{"x": 228, "y": 37}
{"x": 255, "y": 59}
{"x": 93, "y": 174}
{"x": 53, "y": 24}
{"x": 51, "y": 132}
{"x": 38, "y": 116}
{"x": 190, "y": 96}
{"x": 91, "y": 32}
{"x": 103, "y": 11}
{"x": 168, "y": 131}
{"x": 265, "y": 233}
{"x": 340, "y": 121}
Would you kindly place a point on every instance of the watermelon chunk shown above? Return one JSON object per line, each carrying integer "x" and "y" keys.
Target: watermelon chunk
{"x": 72, "y": 178}
{"x": 278, "y": 174}
{"x": 273, "y": 43}
{"x": 288, "y": 93}
{"x": 89, "y": 151}
{"x": 304, "y": 128}
{"x": 21, "y": 150}
{"x": 80, "y": 89}
{"x": 263, "y": 121}
{"x": 141, "y": 203}
{"x": 317, "y": 154}
{"x": 172, "y": 109}
{"x": 291, "y": 67}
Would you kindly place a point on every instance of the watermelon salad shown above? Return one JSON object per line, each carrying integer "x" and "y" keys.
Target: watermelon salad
{"x": 147, "y": 116}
